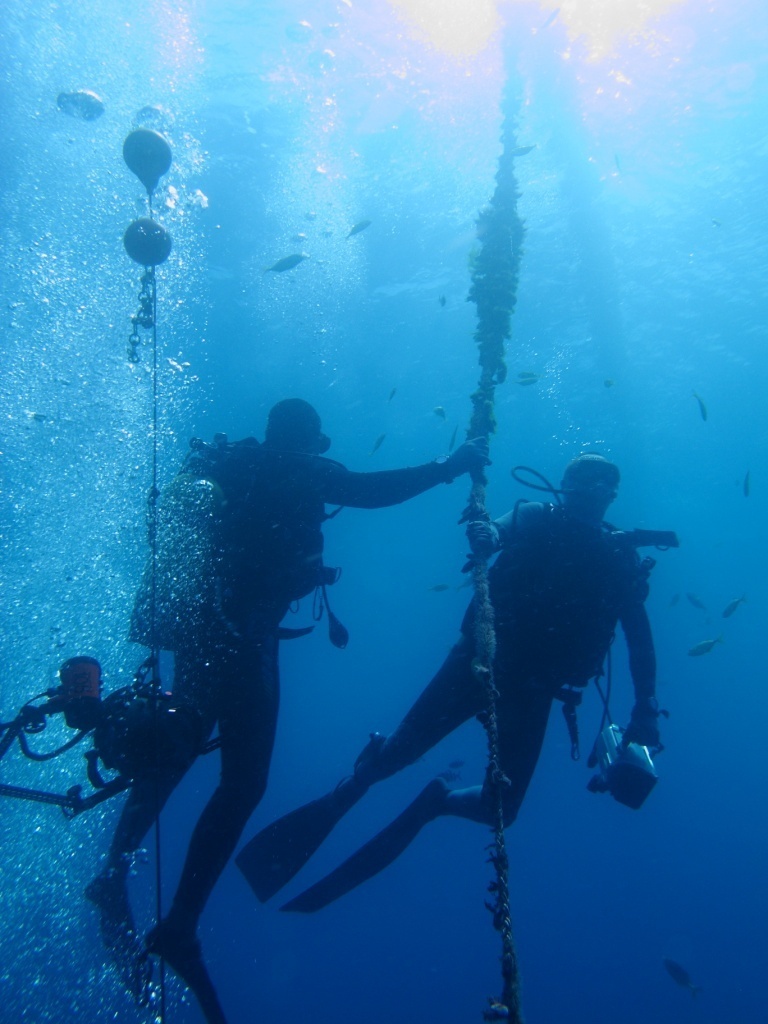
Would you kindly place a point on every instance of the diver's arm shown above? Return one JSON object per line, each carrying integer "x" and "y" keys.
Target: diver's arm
{"x": 377, "y": 490}
{"x": 643, "y": 725}
{"x": 340, "y": 486}
{"x": 642, "y": 656}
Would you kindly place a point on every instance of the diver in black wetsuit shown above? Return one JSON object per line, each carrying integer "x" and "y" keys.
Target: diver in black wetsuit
{"x": 259, "y": 510}
{"x": 562, "y": 581}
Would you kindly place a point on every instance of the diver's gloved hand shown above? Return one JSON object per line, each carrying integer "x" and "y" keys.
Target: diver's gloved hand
{"x": 643, "y": 725}
{"x": 483, "y": 538}
{"x": 468, "y": 458}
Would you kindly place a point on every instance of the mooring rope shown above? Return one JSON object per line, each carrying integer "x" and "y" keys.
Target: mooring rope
{"x": 148, "y": 155}
{"x": 154, "y": 494}
{"x": 495, "y": 271}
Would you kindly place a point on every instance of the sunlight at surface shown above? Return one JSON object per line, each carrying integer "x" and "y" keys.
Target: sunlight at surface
{"x": 460, "y": 27}
{"x": 463, "y": 28}
{"x": 603, "y": 24}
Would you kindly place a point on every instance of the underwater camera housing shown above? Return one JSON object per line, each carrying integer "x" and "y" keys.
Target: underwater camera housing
{"x": 141, "y": 733}
{"x": 625, "y": 770}
{"x": 138, "y": 732}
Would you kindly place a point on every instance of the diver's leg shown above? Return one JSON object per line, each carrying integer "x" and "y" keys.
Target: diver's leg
{"x": 277, "y": 853}
{"x": 522, "y": 724}
{"x": 523, "y": 711}
{"x": 451, "y": 698}
{"x": 146, "y": 798}
{"x": 108, "y": 891}
{"x": 248, "y": 682}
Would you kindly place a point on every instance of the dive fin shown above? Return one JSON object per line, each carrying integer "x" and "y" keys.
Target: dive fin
{"x": 377, "y": 854}
{"x": 184, "y": 957}
{"x": 272, "y": 858}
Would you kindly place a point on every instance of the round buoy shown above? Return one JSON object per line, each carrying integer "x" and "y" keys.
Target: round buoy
{"x": 147, "y": 242}
{"x": 148, "y": 155}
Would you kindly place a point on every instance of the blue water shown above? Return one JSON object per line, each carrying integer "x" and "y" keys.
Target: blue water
{"x": 644, "y": 266}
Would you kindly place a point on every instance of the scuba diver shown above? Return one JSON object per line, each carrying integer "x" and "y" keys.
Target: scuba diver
{"x": 562, "y": 580}
{"x": 239, "y": 540}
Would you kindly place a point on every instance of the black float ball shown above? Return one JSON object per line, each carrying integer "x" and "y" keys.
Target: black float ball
{"x": 147, "y": 242}
{"x": 148, "y": 155}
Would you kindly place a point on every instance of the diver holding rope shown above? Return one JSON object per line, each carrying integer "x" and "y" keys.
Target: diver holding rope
{"x": 239, "y": 541}
{"x": 563, "y": 580}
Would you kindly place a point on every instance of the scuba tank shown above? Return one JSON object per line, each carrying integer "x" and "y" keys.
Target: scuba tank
{"x": 186, "y": 580}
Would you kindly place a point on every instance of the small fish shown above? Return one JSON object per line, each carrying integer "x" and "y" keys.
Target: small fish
{"x": 550, "y": 19}
{"x": 673, "y": 600}
{"x": 83, "y": 104}
{"x": 608, "y": 383}
{"x": 525, "y": 380}
{"x": 360, "y": 226}
{"x": 392, "y": 394}
{"x": 702, "y": 407}
{"x": 455, "y": 765}
{"x": 522, "y": 150}
{"x": 716, "y": 223}
{"x": 439, "y": 588}
{"x": 731, "y": 607}
{"x": 696, "y": 602}
{"x": 453, "y": 439}
{"x": 442, "y": 300}
{"x": 287, "y": 263}
{"x": 439, "y": 411}
{"x": 527, "y": 375}
{"x": 300, "y": 237}
{"x": 299, "y": 31}
{"x": 704, "y": 647}
{"x": 681, "y": 976}
{"x": 746, "y": 485}
{"x": 377, "y": 443}
{"x": 617, "y": 162}
{"x": 496, "y": 1011}
{"x": 38, "y": 417}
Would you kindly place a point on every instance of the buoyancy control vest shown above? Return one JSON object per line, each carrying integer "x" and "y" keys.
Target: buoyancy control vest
{"x": 239, "y": 529}
{"x": 559, "y": 586}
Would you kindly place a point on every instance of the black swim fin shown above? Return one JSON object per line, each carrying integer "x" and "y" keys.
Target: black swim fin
{"x": 377, "y": 854}
{"x": 272, "y": 858}
{"x": 184, "y": 957}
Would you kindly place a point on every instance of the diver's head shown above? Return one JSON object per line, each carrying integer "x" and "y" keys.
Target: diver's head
{"x": 294, "y": 426}
{"x": 590, "y": 483}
